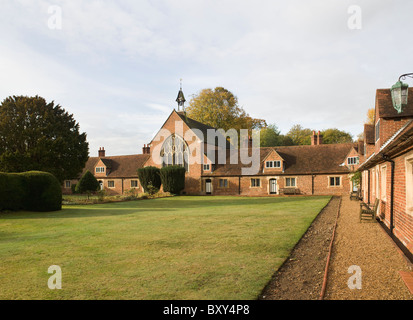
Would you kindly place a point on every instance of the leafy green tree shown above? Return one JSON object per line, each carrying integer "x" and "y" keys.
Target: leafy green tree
{"x": 300, "y": 135}
{"x": 36, "y": 135}
{"x": 336, "y": 136}
{"x": 87, "y": 184}
{"x": 270, "y": 136}
{"x": 219, "y": 108}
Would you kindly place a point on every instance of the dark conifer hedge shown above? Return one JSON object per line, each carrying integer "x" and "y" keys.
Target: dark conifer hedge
{"x": 150, "y": 176}
{"x": 31, "y": 191}
{"x": 173, "y": 179}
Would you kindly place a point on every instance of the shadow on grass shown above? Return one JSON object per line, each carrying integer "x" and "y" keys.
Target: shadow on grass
{"x": 169, "y": 205}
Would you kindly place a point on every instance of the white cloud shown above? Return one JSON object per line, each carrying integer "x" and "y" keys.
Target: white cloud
{"x": 116, "y": 64}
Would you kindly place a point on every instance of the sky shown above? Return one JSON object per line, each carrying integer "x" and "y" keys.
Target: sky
{"x": 116, "y": 65}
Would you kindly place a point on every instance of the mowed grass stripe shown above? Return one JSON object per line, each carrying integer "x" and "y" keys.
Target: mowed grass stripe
{"x": 169, "y": 248}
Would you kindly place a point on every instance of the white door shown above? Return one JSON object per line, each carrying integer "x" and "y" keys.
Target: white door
{"x": 208, "y": 187}
{"x": 273, "y": 186}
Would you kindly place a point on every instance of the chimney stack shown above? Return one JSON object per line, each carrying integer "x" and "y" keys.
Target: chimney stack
{"x": 320, "y": 138}
{"x": 314, "y": 140}
{"x": 146, "y": 149}
{"x": 102, "y": 152}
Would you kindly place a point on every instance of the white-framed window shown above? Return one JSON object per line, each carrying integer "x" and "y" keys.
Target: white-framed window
{"x": 409, "y": 183}
{"x": 223, "y": 183}
{"x": 334, "y": 181}
{"x": 255, "y": 183}
{"x": 353, "y": 160}
{"x": 100, "y": 169}
{"x": 134, "y": 183}
{"x": 377, "y": 134}
{"x": 111, "y": 184}
{"x": 290, "y": 182}
{"x": 383, "y": 183}
{"x": 67, "y": 184}
{"x": 273, "y": 164}
{"x": 207, "y": 167}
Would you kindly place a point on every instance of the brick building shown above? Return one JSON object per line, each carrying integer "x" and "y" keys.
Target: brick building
{"x": 387, "y": 172}
{"x": 316, "y": 169}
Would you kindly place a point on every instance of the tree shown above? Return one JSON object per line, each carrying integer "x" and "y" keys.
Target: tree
{"x": 87, "y": 184}
{"x": 336, "y": 136}
{"x": 370, "y": 116}
{"x": 173, "y": 179}
{"x": 219, "y": 108}
{"x": 150, "y": 179}
{"x": 300, "y": 135}
{"x": 36, "y": 135}
{"x": 270, "y": 137}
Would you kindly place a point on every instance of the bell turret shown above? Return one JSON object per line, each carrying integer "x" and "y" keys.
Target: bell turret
{"x": 181, "y": 99}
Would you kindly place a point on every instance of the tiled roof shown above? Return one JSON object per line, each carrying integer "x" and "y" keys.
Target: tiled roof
{"x": 385, "y": 107}
{"x": 120, "y": 166}
{"x": 194, "y": 124}
{"x": 369, "y": 133}
{"x": 400, "y": 142}
{"x": 319, "y": 159}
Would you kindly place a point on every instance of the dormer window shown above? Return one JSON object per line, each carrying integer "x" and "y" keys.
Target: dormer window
{"x": 100, "y": 169}
{"x": 273, "y": 164}
{"x": 207, "y": 167}
{"x": 352, "y": 161}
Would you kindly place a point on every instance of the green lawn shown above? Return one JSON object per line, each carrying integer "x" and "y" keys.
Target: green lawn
{"x": 167, "y": 248}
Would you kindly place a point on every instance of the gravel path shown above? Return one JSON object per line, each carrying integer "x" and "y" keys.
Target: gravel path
{"x": 301, "y": 276}
{"x": 367, "y": 246}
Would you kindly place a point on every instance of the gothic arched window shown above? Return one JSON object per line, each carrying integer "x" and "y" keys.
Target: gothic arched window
{"x": 175, "y": 152}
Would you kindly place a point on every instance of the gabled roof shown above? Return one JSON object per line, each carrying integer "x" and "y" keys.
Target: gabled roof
{"x": 369, "y": 133}
{"x": 400, "y": 142}
{"x": 385, "y": 107}
{"x": 107, "y": 162}
{"x": 319, "y": 159}
{"x": 270, "y": 152}
{"x": 203, "y": 128}
{"x": 121, "y": 166}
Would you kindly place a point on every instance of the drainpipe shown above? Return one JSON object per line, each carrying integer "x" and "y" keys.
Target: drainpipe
{"x": 368, "y": 186}
{"x": 387, "y": 158}
{"x": 312, "y": 184}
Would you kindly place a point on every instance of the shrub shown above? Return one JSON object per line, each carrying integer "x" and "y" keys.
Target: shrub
{"x": 43, "y": 192}
{"x": 32, "y": 191}
{"x": 87, "y": 184}
{"x": 173, "y": 179}
{"x": 149, "y": 177}
{"x": 12, "y": 191}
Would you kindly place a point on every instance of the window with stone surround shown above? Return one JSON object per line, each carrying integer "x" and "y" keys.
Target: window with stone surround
{"x": 100, "y": 169}
{"x": 255, "y": 183}
{"x": 111, "y": 184}
{"x": 334, "y": 181}
{"x": 223, "y": 183}
{"x": 134, "y": 183}
{"x": 290, "y": 182}
{"x": 175, "y": 152}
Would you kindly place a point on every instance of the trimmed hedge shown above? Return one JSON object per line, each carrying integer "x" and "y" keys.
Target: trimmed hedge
{"x": 173, "y": 179}
{"x": 150, "y": 176}
{"x": 31, "y": 191}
